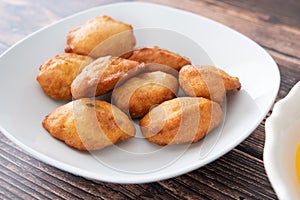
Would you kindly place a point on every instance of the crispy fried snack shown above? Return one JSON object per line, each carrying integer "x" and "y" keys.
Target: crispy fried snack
{"x": 207, "y": 81}
{"x": 159, "y": 56}
{"x": 138, "y": 94}
{"x": 57, "y": 74}
{"x": 89, "y": 125}
{"x": 181, "y": 120}
{"x": 101, "y": 76}
{"x": 101, "y": 36}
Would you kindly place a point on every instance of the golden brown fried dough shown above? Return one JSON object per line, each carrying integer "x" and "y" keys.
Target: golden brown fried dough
{"x": 57, "y": 74}
{"x": 138, "y": 94}
{"x": 181, "y": 120}
{"x": 159, "y": 56}
{"x": 207, "y": 81}
{"x": 101, "y": 76}
{"x": 89, "y": 125}
{"x": 101, "y": 36}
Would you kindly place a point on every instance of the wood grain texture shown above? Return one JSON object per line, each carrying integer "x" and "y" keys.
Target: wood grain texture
{"x": 239, "y": 174}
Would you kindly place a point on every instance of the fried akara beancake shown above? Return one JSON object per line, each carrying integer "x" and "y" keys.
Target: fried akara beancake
{"x": 159, "y": 56}
{"x": 57, "y": 74}
{"x": 181, "y": 120}
{"x": 101, "y": 76}
{"x": 138, "y": 94}
{"x": 87, "y": 124}
{"x": 207, "y": 81}
{"x": 101, "y": 36}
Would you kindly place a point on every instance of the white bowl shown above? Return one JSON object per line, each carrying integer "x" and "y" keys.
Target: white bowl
{"x": 282, "y": 136}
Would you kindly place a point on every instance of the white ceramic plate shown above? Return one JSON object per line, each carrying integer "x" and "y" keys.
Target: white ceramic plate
{"x": 282, "y": 137}
{"x": 24, "y": 105}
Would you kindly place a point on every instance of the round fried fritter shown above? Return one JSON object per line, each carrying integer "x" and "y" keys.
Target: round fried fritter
{"x": 207, "y": 81}
{"x": 138, "y": 94}
{"x": 181, "y": 120}
{"x": 101, "y": 36}
{"x": 159, "y": 56}
{"x": 101, "y": 76}
{"x": 57, "y": 74}
{"x": 85, "y": 124}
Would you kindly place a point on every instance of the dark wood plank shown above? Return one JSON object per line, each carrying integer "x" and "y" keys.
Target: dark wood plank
{"x": 181, "y": 191}
{"x": 35, "y": 182}
{"x": 241, "y": 179}
{"x": 13, "y": 177}
{"x": 27, "y": 16}
{"x": 289, "y": 70}
{"x": 279, "y": 37}
{"x": 208, "y": 188}
{"x": 254, "y": 144}
{"x": 278, "y": 11}
{"x": 14, "y": 188}
{"x": 148, "y": 191}
{"x": 6, "y": 194}
{"x": 156, "y": 190}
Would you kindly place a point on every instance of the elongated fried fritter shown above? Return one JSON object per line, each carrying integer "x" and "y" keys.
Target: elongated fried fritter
{"x": 101, "y": 36}
{"x": 138, "y": 94}
{"x": 85, "y": 124}
{"x": 207, "y": 81}
{"x": 181, "y": 120}
{"x": 159, "y": 56}
{"x": 57, "y": 74}
{"x": 101, "y": 76}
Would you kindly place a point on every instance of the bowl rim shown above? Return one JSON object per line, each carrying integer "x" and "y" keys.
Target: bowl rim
{"x": 283, "y": 109}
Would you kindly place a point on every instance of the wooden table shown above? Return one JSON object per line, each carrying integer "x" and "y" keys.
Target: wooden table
{"x": 240, "y": 174}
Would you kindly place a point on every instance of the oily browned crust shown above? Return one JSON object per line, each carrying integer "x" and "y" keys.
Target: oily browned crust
{"x": 57, "y": 74}
{"x": 207, "y": 81}
{"x": 159, "y": 56}
{"x": 89, "y": 125}
{"x": 86, "y": 39}
{"x": 181, "y": 120}
{"x": 101, "y": 76}
{"x": 138, "y": 94}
